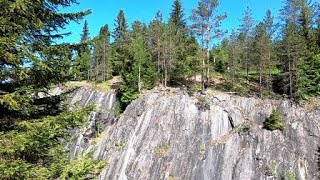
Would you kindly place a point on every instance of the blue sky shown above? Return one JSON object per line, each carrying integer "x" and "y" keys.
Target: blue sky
{"x": 105, "y": 12}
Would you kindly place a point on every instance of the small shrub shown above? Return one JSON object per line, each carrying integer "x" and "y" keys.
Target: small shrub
{"x": 83, "y": 168}
{"x": 274, "y": 122}
{"x": 202, "y": 149}
{"x": 172, "y": 176}
{"x": 162, "y": 150}
{"x": 193, "y": 89}
{"x": 289, "y": 175}
{"x": 244, "y": 128}
{"x": 117, "y": 109}
{"x": 221, "y": 67}
{"x": 240, "y": 89}
{"x": 273, "y": 166}
{"x": 203, "y": 103}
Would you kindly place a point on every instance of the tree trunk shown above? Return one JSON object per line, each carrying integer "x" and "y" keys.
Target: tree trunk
{"x": 290, "y": 78}
{"x": 139, "y": 79}
{"x": 165, "y": 74}
{"x": 247, "y": 69}
{"x": 260, "y": 71}
{"x": 104, "y": 62}
{"x": 207, "y": 66}
{"x": 270, "y": 69}
{"x": 159, "y": 61}
{"x": 202, "y": 76}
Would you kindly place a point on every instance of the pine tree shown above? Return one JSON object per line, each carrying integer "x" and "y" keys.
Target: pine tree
{"x": 234, "y": 52}
{"x": 168, "y": 50}
{"x": 261, "y": 42}
{"x": 246, "y": 33}
{"x": 121, "y": 43}
{"x": 102, "y": 67}
{"x": 155, "y": 33}
{"x": 207, "y": 26}
{"x": 269, "y": 25}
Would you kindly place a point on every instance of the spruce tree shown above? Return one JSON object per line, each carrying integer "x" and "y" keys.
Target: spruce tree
{"x": 177, "y": 15}
{"x": 178, "y": 37}
{"x": 85, "y": 36}
{"x": 305, "y": 22}
{"x": 82, "y": 63}
{"x": 309, "y": 78}
{"x": 32, "y": 123}
{"x": 142, "y": 71}
{"x": 32, "y": 63}
{"x": 294, "y": 46}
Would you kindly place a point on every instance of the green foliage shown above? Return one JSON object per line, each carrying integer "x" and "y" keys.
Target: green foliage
{"x": 142, "y": 73}
{"x": 203, "y": 103}
{"x": 117, "y": 109}
{"x": 221, "y": 66}
{"x": 162, "y": 150}
{"x": 274, "y": 122}
{"x": 81, "y": 65}
{"x": 273, "y": 167}
{"x": 103, "y": 56}
{"x": 83, "y": 167}
{"x": 29, "y": 58}
{"x": 289, "y": 175}
{"x": 85, "y": 36}
{"x": 127, "y": 97}
{"x": 244, "y": 128}
{"x": 193, "y": 88}
{"x": 34, "y": 148}
{"x": 177, "y": 15}
{"x": 121, "y": 44}
{"x": 309, "y": 78}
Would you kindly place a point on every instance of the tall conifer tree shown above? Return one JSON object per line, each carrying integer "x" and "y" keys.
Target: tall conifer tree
{"x": 207, "y": 24}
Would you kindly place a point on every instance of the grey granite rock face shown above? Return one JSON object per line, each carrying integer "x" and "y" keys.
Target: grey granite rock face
{"x": 97, "y": 120}
{"x": 165, "y": 135}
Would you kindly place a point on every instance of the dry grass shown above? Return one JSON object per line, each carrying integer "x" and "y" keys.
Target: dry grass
{"x": 101, "y": 86}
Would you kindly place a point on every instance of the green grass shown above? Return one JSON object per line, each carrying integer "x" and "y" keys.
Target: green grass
{"x": 102, "y": 86}
{"x": 162, "y": 150}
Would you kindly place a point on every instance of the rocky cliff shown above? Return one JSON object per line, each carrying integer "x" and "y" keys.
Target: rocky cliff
{"x": 166, "y": 134}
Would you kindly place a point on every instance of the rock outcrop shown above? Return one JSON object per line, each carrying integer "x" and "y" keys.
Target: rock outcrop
{"x": 165, "y": 134}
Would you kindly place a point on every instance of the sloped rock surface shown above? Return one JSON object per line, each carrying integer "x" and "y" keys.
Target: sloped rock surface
{"x": 168, "y": 135}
